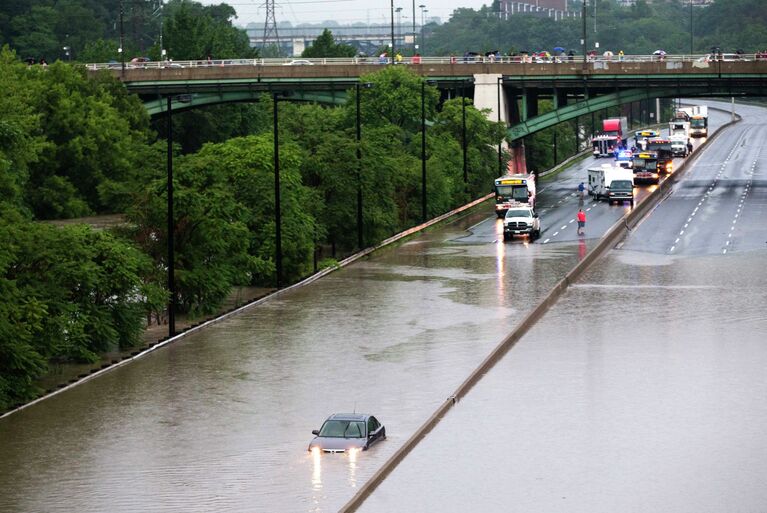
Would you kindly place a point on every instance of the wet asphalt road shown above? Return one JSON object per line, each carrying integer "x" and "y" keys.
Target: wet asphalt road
{"x": 643, "y": 388}
{"x": 220, "y": 421}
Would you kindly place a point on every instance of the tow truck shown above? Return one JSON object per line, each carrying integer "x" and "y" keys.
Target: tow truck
{"x": 514, "y": 190}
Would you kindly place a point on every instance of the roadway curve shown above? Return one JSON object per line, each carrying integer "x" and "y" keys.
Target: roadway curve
{"x": 643, "y": 388}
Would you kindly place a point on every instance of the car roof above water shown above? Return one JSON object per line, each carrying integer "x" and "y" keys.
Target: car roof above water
{"x": 349, "y": 416}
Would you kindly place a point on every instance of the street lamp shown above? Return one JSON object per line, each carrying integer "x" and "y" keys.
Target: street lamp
{"x": 392, "y": 31}
{"x": 691, "y": 51}
{"x": 463, "y": 129}
{"x": 182, "y": 98}
{"x": 415, "y": 46}
{"x": 500, "y": 143}
{"x": 366, "y": 85}
{"x": 122, "y": 45}
{"x": 398, "y": 10}
{"x": 67, "y": 55}
{"x": 277, "y": 204}
{"x": 422, "y": 7}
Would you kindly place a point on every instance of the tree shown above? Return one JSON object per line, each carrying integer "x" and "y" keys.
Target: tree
{"x": 193, "y": 31}
{"x": 325, "y": 46}
{"x": 69, "y": 294}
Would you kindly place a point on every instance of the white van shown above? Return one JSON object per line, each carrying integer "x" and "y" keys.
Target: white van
{"x": 612, "y": 183}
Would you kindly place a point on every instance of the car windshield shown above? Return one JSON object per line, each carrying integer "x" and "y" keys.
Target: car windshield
{"x": 621, "y": 185}
{"x": 519, "y": 213}
{"x": 343, "y": 429}
{"x": 697, "y": 123}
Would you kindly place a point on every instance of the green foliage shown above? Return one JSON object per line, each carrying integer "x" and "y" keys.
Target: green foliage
{"x": 639, "y": 29}
{"x": 69, "y": 294}
{"x": 325, "y": 46}
{"x": 193, "y": 31}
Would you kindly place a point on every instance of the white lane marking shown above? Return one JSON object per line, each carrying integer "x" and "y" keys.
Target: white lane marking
{"x": 681, "y": 233}
{"x": 563, "y": 227}
{"x": 571, "y": 221}
{"x": 676, "y": 241}
{"x": 555, "y": 234}
{"x": 672, "y": 249}
{"x": 547, "y": 240}
{"x": 724, "y": 252}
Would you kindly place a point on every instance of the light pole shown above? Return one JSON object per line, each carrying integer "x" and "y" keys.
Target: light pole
{"x": 183, "y": 98}
{"x": 500, "y": 143}
{"x": 422, "y": 7}
{"x": 423, "y": 151}
{"x": 463, "y": 131}
{"x": 366, "y": 85}
{"x": 398, "y": 10}
{"x": 277, "y": 204}
{"x": 121, "y": 50}
{"x": 414, "y": 45}
{"x": 392, "y": 31}
{"x": 691, "y": 51}
{"x": 583, "y": 34}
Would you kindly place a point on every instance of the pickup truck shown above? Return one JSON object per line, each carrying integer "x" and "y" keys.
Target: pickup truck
{"x": 520, "y": 221}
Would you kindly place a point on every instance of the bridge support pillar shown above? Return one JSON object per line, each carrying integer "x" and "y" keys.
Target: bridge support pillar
{"x": 560, "y": 98}
{"x": 529, "y": 104}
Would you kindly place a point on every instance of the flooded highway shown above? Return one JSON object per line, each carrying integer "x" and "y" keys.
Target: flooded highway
{"x": 643, "y": 388}
{"x": 221, "y": 420}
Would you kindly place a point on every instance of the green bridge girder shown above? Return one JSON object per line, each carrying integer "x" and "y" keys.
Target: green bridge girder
{"x": 160, "y": 105}
{"x": 598, "y": 103}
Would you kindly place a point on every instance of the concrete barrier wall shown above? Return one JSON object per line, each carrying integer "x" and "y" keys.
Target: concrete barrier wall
{"x": 619, "y": 230}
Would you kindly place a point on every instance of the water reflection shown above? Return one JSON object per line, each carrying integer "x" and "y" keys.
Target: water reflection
{"x": 582, "y": 249}
{"x": 316, "y": 471}
{"x": 500, "y": 268}
{"x": 353, "y": 467}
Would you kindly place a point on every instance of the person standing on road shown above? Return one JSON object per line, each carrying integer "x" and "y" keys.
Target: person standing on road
{"x": 689, "y": 147}
{"x": 581, "y": 188}
{"x": 581, "y": 221}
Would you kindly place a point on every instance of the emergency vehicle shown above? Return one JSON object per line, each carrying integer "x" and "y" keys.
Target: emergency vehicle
{"x": 514, "y": 190}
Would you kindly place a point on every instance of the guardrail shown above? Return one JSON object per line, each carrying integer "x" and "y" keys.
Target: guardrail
{"x": 457, "y": 60}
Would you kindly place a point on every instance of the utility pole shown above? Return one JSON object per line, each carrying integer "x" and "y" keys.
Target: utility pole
{"x": 121, "y": 50}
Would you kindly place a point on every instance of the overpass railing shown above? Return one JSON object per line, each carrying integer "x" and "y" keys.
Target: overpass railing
{"x": 450, "y": 59}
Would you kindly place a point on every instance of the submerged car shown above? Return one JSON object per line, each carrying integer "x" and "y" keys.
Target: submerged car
{"x": 347, "y": 432}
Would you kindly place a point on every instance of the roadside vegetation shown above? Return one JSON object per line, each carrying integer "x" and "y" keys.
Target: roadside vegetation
{"x": 72, "y": 146}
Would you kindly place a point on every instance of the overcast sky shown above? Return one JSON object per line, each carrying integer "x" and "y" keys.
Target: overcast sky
{"x": 343, "y": 11}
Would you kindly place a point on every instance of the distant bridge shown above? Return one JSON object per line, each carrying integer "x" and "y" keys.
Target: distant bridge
{"x": 576, "y": 88}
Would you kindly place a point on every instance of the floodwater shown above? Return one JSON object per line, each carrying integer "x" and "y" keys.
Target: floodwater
{"x": 221, "y": 420}
{"x": 642, "y": 390}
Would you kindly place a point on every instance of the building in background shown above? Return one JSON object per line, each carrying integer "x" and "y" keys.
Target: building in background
{"x": 556, "y": 9}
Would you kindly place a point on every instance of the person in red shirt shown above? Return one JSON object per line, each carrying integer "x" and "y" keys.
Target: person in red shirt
{"x": 581, "y": 221}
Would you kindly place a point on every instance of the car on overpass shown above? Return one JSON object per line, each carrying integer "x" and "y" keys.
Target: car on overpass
{"x": 299, "y": 62}
{"x": 347, "y": 432}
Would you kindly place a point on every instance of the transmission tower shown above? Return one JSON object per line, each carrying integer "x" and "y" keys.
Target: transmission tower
{"x": 270, "y": 25}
